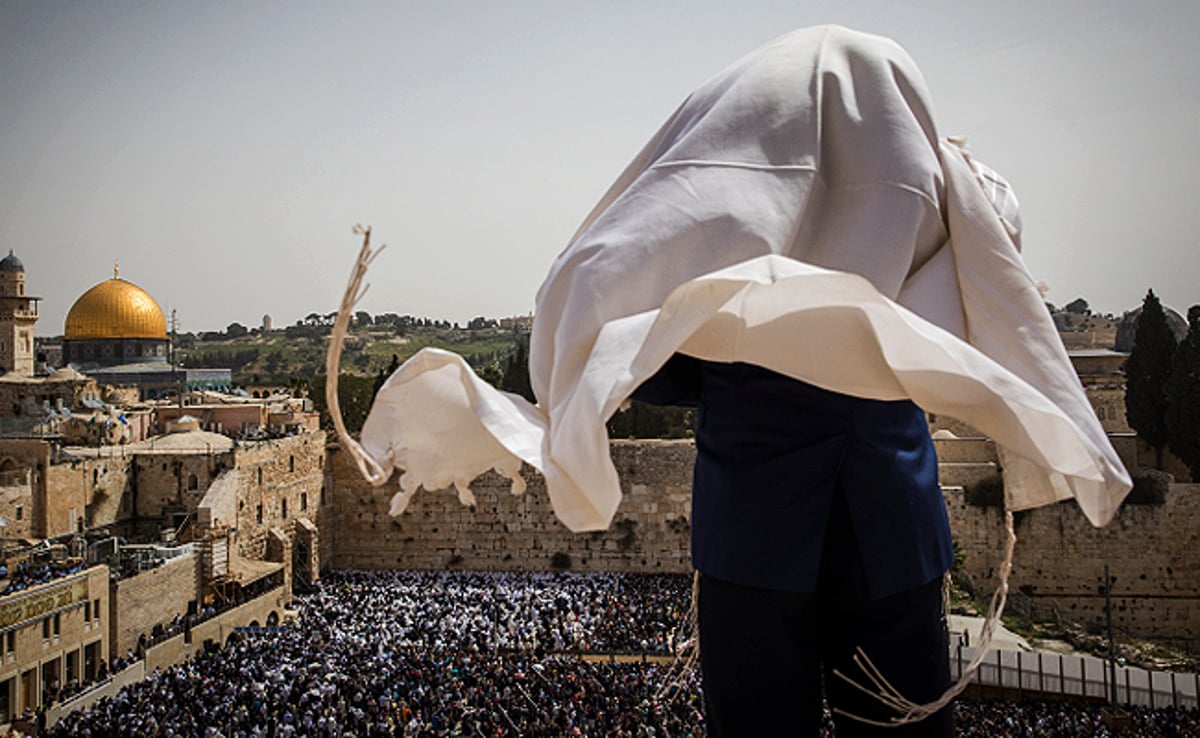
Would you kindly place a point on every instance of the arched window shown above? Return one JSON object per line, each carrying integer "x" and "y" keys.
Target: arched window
{"x": 193, "y": 482}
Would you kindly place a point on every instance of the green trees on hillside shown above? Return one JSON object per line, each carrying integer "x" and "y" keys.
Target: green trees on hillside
{"x": 355, "y": 394}
{"x": 640, "y": 420}
{"x": 516, "y": 373}
{"x": 225, "y": 358}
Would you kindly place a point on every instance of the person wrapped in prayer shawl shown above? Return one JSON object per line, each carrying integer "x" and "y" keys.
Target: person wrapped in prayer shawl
{"x": 797, "y": 253}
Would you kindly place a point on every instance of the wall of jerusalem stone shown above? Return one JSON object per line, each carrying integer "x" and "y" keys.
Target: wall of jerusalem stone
{"x": 169, "y": 484}
{"x": 94, "y": 490}
{"x": 506, "y": 532}
{"x": 281, "y": 482}
{"x": 152, "y": 598}
{"x": 1059, "y": 561}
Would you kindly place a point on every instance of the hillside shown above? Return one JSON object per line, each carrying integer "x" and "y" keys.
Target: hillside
{"x": 279, "y": 357}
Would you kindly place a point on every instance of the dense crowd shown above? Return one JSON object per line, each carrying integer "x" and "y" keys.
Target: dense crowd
{"x": 430, "y": 654}
{"x": 560, "y": 612}
{"x": 1068, "y": 720}
{"x": 54, "y": 692}
{"x": 472, "y": 654}
{"x": 29, "y": 574}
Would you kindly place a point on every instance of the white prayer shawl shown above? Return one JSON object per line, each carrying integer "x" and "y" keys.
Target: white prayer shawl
{"x": 797, "y": 212}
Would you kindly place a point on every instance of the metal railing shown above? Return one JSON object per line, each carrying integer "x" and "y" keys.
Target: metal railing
{"x": 1032, "y": 675}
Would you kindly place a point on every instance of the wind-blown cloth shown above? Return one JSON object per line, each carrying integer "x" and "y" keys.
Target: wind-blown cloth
{"x": 798, "y": 212}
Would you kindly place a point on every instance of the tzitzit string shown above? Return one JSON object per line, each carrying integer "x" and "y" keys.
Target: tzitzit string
{"x": 367, "y": 466}
{"x": 912, "y": 712}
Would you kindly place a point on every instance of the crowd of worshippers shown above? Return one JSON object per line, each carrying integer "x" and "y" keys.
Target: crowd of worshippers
{"x": 53, "y": 692}
{"x": 28, "y": 574}
{"x": 1034, "y": 719}
{"x": 434, "y": 654}
{"x": 426, "y": 655}
{"x": 549, "y": 612}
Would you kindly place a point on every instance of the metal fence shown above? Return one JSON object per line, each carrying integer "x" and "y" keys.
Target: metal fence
{"x": 1021, "y": 675}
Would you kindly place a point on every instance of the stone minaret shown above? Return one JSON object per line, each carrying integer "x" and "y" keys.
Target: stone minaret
{"x": 18, "y": 314}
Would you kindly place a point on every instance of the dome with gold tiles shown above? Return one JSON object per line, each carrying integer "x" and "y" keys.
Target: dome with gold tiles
{"x": 115, "y": 309}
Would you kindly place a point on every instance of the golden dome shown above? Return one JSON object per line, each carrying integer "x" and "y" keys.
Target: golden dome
{"x": 115, "y": 309}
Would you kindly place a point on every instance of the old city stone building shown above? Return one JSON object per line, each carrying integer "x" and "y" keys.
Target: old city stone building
{"x": 159, "y": 519}
{"x": 50, "y": 635}
{"x": 223, "y": 524}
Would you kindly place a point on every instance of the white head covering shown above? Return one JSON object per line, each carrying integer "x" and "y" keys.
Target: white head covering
{"x": 799, "y": 212}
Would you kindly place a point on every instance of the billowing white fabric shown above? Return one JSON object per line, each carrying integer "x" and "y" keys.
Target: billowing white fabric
{"x": 797, "y": 212}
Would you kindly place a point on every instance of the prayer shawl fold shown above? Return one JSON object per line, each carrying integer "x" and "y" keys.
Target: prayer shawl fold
{"x": 798, "y": 212}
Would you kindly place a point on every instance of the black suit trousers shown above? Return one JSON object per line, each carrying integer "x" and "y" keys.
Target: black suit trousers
{"x": 769, "y": 656}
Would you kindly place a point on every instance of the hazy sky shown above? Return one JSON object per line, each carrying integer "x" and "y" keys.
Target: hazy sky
{"x": 223, "y": 151}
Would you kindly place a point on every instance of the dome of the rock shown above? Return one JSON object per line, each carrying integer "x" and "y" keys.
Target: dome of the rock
{"x": 115, "y": 309}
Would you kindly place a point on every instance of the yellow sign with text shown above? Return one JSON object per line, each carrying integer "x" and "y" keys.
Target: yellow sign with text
{"x": 42, "y": 603}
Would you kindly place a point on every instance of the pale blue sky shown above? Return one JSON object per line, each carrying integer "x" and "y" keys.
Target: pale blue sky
{"x": 222, "y": 151}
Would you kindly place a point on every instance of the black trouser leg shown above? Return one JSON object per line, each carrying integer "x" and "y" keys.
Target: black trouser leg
{"x": 905, "y": 638}
{"x": 760, "y": 663}
{"x": 903, "y": 635}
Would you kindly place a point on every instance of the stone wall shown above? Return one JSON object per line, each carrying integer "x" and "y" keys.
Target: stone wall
{"x": 172, "y": 483}
{"x": 1060, "y": 557}
{"x": 650, "y": 531}
{"x": 1059, "y": 561}
{"x": 16, "y": 503}
{"x": 217, "y": 630}
{"x": 282, "y": 483}
{"x": 152, "y": 598}
{"x": 23, "y": 468}
{"x": 327, "y": 510}
{"x": 97, "y": 488}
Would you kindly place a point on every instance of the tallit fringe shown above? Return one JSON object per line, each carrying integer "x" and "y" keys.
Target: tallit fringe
{"x": 912, "y": 712}
{"x": 367, "y": 466}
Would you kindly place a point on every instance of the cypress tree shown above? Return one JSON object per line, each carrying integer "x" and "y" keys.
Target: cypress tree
{"x": 516, "y": 373}
{"x": 1183, "y": 398}
{"x": 1146, "y": 372}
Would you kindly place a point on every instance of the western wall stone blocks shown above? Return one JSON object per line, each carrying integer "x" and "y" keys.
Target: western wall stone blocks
{"x": 965, "y": 450}
{"x": 1059, "y": 560}
{"x": 153, "y": 598}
